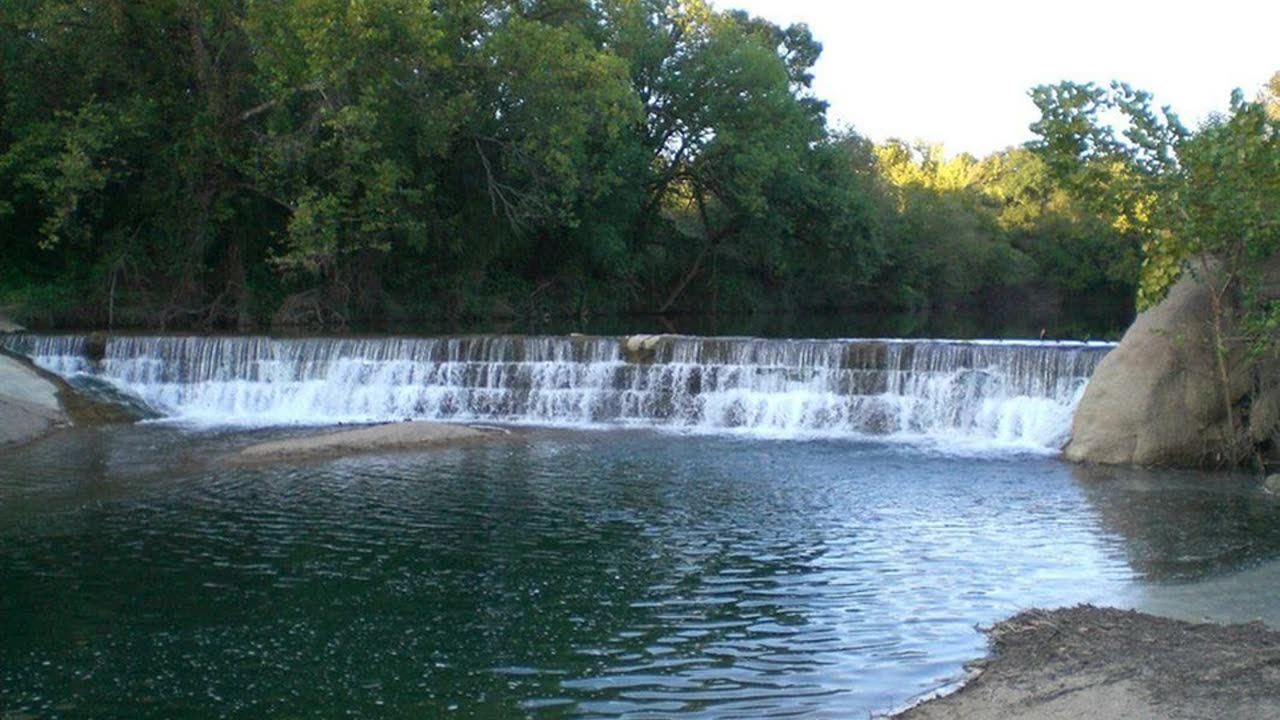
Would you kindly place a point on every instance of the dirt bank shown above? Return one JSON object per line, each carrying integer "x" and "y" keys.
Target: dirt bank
{"x": 1089, "y": 662}
{"x": 379, "y": 438}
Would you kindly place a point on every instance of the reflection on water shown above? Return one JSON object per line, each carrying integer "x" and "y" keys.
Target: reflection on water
{"x": 1183, "y": 525}
{"x": 1208, "y": 544}
{"x": 605, "y": 574}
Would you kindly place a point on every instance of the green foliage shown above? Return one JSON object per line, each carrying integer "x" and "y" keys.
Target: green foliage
{"x": 1232, "y": 211}
{"x": 1270, "y": 96}
{"x": 1212, "y": 192}
{"x": 225, "y": 163}
{"x": 968, "y": 229}
{"x": 1206, "y": 202}
{"x": 1127, "y": 177}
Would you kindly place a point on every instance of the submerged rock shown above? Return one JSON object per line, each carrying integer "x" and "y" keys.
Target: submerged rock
{"x": 378, "y": 438}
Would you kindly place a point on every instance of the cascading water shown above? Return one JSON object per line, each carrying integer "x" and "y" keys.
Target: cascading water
{"x": 1005, "y": 393}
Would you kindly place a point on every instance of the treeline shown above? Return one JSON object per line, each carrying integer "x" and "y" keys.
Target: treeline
{"x": 332, "y": 163}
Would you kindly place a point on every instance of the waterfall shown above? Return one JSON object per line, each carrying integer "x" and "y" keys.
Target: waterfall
{"x": 1010, "y": 393}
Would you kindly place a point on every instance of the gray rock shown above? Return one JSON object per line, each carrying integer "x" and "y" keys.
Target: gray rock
{"x": 378, "y": 438}
{"x": 641, "y": 348}
{"x": 1272, "y": 484}
{"x": 29, "y": 404}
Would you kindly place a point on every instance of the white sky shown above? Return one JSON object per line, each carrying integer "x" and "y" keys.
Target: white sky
{"x": 958, "y": 71}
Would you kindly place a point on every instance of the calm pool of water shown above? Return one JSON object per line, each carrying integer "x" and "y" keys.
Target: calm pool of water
{"x": 567, "y": 574}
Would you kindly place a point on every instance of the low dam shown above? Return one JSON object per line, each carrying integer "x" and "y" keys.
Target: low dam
{"x": 1007, "y": 393}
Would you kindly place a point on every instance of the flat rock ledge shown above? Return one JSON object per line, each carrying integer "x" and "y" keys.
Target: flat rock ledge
{"x": 1090, "y": 662}
{"x": 30, "y": 405}
{"x": 378, "y": 438}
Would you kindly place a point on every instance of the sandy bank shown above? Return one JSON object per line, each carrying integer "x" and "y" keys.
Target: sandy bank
{"x": 379, "y": 438}
{"x": 1089, "y": 662}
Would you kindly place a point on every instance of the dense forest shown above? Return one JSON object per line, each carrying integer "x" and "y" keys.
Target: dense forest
{"x": 242, "y": 164}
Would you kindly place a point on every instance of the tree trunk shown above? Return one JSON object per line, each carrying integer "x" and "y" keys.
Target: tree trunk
{"x": 684, "y": 281}
{"x": 1216, "y": 295}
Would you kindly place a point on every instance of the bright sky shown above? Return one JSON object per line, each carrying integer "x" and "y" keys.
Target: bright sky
{"x": 958, "y": 71}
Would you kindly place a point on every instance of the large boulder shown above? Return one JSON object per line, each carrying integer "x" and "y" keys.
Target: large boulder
{"x": 1155, "y": 399}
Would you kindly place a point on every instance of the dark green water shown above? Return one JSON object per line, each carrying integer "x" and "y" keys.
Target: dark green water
{"x": 560, "y": 574}
{"x": 1093, "y": 319}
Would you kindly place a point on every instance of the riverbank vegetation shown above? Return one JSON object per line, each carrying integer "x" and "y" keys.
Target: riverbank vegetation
{"x": 234, "y": 164}
{"x": 1206, "y": 205}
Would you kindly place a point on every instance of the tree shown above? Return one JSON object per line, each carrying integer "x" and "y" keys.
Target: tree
{"x": 1271, "y": 95}
{"x": 1204, "y": 202}
{"x": 1071, "y": 248}
{"x": 119, "y": 150}
{"x": 222, "y": 163}
{"x": 949, "y": 246}
{"x": 727, "y": 115}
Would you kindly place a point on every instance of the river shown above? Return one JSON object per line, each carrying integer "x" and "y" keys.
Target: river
{"x": 727, "y": 528}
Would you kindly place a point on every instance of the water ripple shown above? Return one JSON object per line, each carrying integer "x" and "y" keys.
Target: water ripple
{"x": 623, "y": 574}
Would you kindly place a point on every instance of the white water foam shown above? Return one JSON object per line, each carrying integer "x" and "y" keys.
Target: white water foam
{"x": 960, "y": 395}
